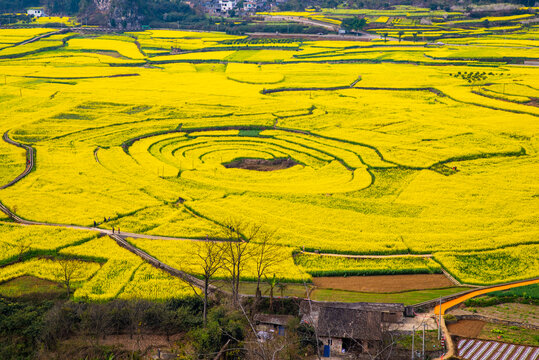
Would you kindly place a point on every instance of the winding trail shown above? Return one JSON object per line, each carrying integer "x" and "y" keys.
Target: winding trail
{"x": 451, "y": 351}
{"x": 30, "y": 160}
{"x": 448, "y": 305}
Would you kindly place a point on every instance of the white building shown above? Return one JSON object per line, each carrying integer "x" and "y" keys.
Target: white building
{"x": 35, "y": 12}
{"x": 227, "y": 5}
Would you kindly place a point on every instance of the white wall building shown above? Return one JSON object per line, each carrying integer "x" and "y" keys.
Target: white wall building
{"x": 227, "y": 5}
{"x": 35, "y": 12}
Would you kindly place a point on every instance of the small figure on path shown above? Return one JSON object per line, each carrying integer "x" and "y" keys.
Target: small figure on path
{"x": 113, "y": 230}
{"x": 109, "y": 218}
{"x": 104, "y": 219}
{"x": 95, "y": 224}
{"x": 118, "y": 230}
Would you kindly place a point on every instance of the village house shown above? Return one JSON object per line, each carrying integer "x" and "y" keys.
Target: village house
{"x": 249, "y": 5}
{"x": 268, "y": 325}
{"x": 227, "y": 5}
{"x": 35, "y": 12}
{"x": 351, "y": 328}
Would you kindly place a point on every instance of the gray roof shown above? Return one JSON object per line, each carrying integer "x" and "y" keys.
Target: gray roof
{"x": 273, "y": 319}
{"x": 347, "y": 320}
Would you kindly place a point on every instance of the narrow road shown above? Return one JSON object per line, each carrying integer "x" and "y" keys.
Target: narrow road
{"x": 43, "y": 36}
{"x": 451, "y": 351}
{"x": 30, "y": 161}
{"x": 448, "y": 305}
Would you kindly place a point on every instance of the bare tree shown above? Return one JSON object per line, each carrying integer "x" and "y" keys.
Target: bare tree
{"x": 209, "y": 256}
{"x": 237, "y": 251}
{"x": 68, "y": 270}
{"x": 21, "y": 247}
{"x": 267, "y": 255}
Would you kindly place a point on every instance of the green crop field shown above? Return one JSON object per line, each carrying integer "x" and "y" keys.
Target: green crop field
{"x": 396, "y": 147}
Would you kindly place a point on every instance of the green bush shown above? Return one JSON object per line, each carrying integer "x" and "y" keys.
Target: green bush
{"x": 450, "y": 319}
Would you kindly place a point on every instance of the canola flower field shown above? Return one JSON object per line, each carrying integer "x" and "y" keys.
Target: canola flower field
{"x": 395, "y": 148}
{"x": 414, "y": 23}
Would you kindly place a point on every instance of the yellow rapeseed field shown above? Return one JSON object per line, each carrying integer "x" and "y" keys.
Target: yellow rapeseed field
{"x": 394, "y": 148}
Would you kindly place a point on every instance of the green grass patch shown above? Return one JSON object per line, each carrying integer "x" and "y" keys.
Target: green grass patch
{"x": 407, "y": 298}
{"x": 29, "y": 286}
{"x": 510, "y": 334}
{"x": 250, "y": 132}
{"x": 249, "y": 288}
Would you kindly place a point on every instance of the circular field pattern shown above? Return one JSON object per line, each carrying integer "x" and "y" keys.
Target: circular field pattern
{"x": 205, "y": 157}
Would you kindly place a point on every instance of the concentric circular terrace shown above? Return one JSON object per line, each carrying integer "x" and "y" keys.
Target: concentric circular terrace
{"x": 312, "y": 166}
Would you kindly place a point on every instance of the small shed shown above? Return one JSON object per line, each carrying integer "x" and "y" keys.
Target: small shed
{"x": 274, "y": 324}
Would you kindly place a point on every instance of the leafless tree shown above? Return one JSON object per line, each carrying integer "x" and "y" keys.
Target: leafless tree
{"x": 21, "y": 247}
{"x": 68, "y": 270}
{"x": 209, "y": 256}
{"x": 267, "y": 255}
{"x": 237, "y": 251}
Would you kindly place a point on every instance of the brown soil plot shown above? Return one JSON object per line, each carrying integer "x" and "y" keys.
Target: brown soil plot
{"x": 466, "y": 328}
{"x": 384, "y": 283}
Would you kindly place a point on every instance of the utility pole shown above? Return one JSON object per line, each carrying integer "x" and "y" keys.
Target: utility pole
{"x": 413, "y": 337}
{"x": 423, "y": 351}
{"x": 440, "y": 319}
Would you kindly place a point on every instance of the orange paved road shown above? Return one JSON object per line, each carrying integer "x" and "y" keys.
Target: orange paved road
{"x": 463, "y": 298}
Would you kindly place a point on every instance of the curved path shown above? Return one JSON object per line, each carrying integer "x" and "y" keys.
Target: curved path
{"x": 448, "y": 305}
{"x": 22, "y": 221}
{"x": 451, "y": 303}
{"x": 30, "y": 160}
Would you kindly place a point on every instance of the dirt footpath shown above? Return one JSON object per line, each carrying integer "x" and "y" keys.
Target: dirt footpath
{"x": 384, "y": 283}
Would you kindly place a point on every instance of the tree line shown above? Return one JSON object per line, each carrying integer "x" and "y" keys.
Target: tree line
{"x": 126, "y": 14}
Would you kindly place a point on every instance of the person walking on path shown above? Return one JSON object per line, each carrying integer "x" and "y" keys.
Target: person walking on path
{"x": 113, "y": 230}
